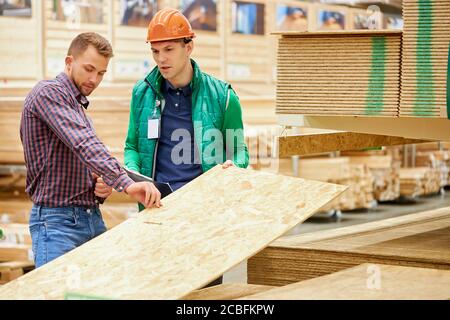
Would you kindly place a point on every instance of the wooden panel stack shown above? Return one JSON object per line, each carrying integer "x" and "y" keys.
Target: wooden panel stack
{"x": 367, "y": 282}
{"x": 416, "y": 240}
{"x": 419, "y": 181}
{"x": 339, "y": 73}
{"x": 425, "y": 57}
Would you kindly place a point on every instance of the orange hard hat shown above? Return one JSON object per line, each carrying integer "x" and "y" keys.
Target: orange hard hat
{"x": 169, "y": 24}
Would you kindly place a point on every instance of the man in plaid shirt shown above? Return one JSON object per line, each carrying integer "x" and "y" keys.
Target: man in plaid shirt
{"x": 69, "y": 170}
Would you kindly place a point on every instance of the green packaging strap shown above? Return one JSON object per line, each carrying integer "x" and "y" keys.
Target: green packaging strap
{"x": 424, "y": 67}
{"x": 375, "y": 90}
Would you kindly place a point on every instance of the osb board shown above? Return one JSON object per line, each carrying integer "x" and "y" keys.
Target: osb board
{"x": 325, "y": 142}
{"x": 368, "y": 282}
{"x": 226, "y": 291}
{"x": 203, "y": 229}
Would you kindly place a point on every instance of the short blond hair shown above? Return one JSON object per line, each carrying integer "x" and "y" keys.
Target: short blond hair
{"x": 81, "y": 42}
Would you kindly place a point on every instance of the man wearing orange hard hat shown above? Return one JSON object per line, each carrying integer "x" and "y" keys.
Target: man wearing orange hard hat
{"x": 183, "y": 121}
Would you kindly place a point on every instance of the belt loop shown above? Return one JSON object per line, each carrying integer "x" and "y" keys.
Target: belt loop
{"x": 38, "y": 209}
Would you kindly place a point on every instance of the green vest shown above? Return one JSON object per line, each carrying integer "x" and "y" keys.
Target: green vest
{"x": 209, "y": 102}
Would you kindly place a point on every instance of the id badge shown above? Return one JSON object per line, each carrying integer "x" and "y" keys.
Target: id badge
{"x": 154, "y": 128}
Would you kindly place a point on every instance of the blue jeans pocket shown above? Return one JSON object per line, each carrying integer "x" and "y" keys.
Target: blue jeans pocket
{"x": 99, "y": 223}
{"x": 60, "y": 216}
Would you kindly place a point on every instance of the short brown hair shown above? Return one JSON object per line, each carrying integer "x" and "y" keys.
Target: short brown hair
{"x": 84, "y": 40}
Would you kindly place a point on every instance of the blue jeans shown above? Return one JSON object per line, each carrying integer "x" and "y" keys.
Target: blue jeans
{"x": 55, "y": 231}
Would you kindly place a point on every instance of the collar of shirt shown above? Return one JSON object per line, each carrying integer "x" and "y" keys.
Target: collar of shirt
{"x": 171, "y": 89}
{"x": 64, "y": 79}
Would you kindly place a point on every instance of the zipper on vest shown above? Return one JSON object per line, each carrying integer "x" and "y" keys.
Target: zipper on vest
{"x": 163, "y": 102}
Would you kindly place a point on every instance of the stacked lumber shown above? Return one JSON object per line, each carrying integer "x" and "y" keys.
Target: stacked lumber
{"x": 419, "y": 181}
{"x": 15, "y": 211}
{"x": 15, "y": 244}
{"x": 339, "y": 73}
{"x": 13, "y": 269}
{"x": 359, "y": 194}
{"x": 433, "y": 146}
{"x": 11, "y": 151}
{"x": 367, "y": 282}
{"x": 336, "y": 170}
{"x": 425, "y": 57}
{"x": 415, "y": 240}
{"x": 386, "y": 183}
{"x": 439, "y": 160}
{"x": 15, "y": 252}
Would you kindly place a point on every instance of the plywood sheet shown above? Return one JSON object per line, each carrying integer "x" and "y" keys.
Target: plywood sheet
{"x": 226, "y": 291}
{"x": 205, "y": 228}
{"x": 368, "y": 282}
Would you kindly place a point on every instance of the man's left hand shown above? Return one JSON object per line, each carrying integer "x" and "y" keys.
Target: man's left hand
{"x": 227, "y": 164}
{"x": 102, "y": 190}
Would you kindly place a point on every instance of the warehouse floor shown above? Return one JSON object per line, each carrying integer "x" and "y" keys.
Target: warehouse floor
{"x": 322, "y": 221}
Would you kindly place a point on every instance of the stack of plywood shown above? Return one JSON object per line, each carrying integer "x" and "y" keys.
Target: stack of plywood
{"x": 367, "y": 282}
{"x": 386, "y": 183}
{"x": 425, "y": 56}
{"x": 339, "y": 73}
{"x": 416, "y": 240}
{"x": 419, "y": 181}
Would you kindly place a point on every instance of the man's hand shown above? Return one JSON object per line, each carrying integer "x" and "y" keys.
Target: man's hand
{"x": 227, "y": 164}
{"x": 145, "y": 193}
{"x": 102, "y": 190}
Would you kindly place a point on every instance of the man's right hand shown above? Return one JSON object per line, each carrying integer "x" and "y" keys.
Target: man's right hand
{"x": 145, "y": 193}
